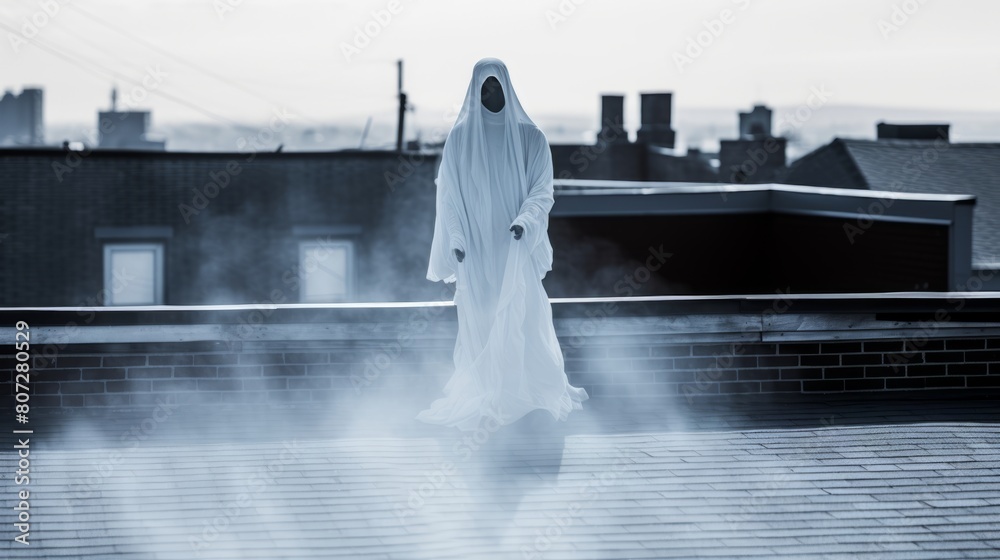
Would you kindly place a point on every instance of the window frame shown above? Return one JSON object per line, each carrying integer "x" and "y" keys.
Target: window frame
{"x": 158, "y": 272}
{"x": 351, "y": 267}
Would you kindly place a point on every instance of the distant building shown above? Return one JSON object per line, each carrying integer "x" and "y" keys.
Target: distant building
{"x": 21, "y": 122}
{"x": 650, "y": 158}
{"x": 756, "y": 156}
{"x": 916, "y": 159}
{"x": 756, "y": 124}
{"x": 125, "y": 129}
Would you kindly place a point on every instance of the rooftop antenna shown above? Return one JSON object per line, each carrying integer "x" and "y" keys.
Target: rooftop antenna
{"x": 114, "y": 99}
{"x": 364, "y": 135}
{"x": 402, "y": 105}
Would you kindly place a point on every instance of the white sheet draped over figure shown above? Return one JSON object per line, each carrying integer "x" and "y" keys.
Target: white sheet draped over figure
{"x": 496, "y": 173}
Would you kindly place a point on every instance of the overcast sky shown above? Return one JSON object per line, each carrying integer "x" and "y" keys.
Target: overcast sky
{"x": 562, "y": 54}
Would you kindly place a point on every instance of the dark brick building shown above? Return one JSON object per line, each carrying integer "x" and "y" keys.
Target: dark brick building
{"x": 139, "y": 228}
{"x": 200, "y": 228}
{"x": 757, "y": 156}
{"x": 916, "y": 159}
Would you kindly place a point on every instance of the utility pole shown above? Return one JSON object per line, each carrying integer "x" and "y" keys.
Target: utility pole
{"x": 402, "y": 107}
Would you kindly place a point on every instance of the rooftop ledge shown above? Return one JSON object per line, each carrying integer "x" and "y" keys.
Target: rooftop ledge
{"x": 616, "y": 198}
{"x": 605, "y": 187}
{"x": 682, "y": 319}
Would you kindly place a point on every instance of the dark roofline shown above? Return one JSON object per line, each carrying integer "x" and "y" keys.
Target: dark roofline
{"x": 898, "y": 142}
{"x": 842, "y": 147}
{"x": 580, "y": 197}
{"x": 154, "y": 154}
{"x": 854, "y": 165}
{"x": 892, "y": 142}
{"x": 845, "y": 155}
{"x": 824, "y": 147}
{"x": 923, "y": 303}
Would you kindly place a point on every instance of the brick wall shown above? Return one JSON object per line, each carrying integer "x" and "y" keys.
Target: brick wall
{"x": 262, "y": 375}
{"x": 137, "y": 374}
{"x": 794, "y": 367}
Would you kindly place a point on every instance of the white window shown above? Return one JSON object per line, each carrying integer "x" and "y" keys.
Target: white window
{"x": 326, "y": 270}
{"x": 133, "y": 273}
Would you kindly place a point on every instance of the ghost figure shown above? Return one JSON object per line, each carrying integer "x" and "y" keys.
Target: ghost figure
{"x": 494, "y": 192}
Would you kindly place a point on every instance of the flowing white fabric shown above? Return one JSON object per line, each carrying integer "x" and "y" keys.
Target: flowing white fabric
{"x": 496, "y": 171}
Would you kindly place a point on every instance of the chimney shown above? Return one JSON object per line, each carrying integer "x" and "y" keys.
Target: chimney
{"x": 612, "y": 120}
{"x": 655, "y": 128}
{"x": 888, "y": 131}
{"x": 756, "y": 124}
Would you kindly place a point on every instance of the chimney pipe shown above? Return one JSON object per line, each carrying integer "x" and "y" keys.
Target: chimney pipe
{"x": 655, "y": 129}
{"x": 612, "y": 120}
{"x": 886, "y": 131}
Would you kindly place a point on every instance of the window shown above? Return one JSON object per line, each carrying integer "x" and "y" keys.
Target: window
{"x": 133, "y": 273}
{"x": 326, "y": 269}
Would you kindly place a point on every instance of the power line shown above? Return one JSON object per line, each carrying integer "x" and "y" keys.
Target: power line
{"x": 97, "y": 48}
{"x": 89, "y": 15}
{"x": 101, "y": 50}
{"x": 110, "y": 75}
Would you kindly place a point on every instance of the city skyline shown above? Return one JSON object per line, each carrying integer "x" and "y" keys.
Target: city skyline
{"x": 241, "y": 61}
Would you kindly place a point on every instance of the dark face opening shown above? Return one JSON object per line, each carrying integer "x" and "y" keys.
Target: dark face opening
{"x": 492, "y": 94}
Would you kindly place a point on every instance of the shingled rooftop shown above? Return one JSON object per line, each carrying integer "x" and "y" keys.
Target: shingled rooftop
{"x": 800, "y": 426}
{"x": 826, "y": 477}
{"x": 923, "y": 167}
